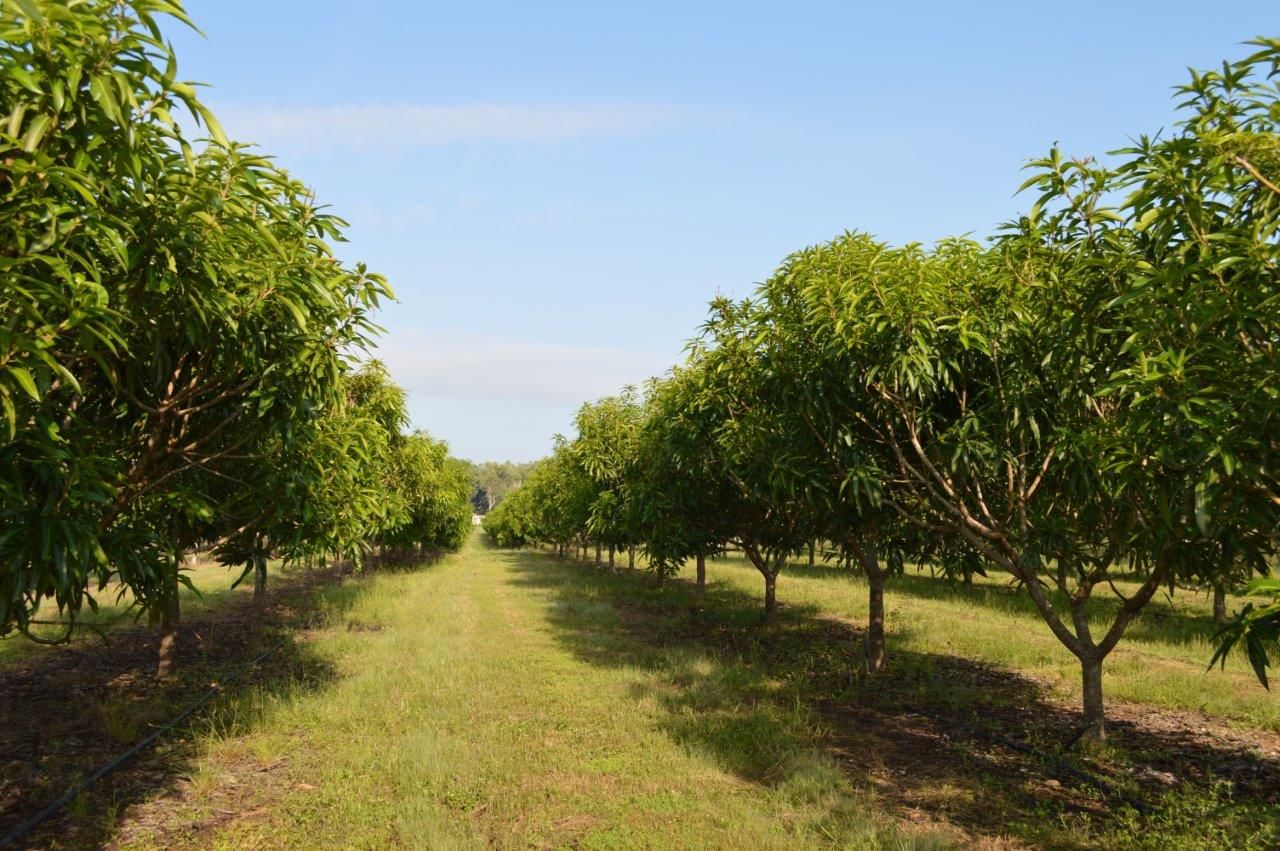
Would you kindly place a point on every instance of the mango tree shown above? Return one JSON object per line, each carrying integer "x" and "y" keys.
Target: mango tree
{"x": 1184, "y": 271}
{"x": 680, "y": 498}
{"x": 172, "y": 313}
{"x": 813, "y": 392}
{"x": 747, "y": 444}
{"x": 603, "y": 448}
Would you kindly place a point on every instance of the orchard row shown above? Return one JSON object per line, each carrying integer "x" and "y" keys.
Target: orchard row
{"x": 180, "y": 349}
{"x": 1088, "y": 400}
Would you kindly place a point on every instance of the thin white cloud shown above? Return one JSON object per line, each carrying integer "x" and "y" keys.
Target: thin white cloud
{"x": 480, "y": 367}
{"x": 405, "y": 125}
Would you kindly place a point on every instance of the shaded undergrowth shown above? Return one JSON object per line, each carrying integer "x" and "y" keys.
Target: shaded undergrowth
{"x": 68, "y": 710}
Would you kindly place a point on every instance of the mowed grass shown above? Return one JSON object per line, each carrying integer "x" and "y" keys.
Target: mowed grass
{"x": 510, "y": 699}
{"x": 1162, "y": 660}
{"x": 498, "y": 699}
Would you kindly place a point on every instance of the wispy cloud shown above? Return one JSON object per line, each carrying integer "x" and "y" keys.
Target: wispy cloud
{"x": 367, "y": 126}
{"x": 480, "y": 367}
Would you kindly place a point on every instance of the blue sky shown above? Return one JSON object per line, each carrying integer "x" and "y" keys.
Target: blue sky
{"x": 555, "y": 190}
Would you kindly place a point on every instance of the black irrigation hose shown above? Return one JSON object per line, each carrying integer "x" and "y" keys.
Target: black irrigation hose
{"x": 1055, "y": 762}
{"x": 75, "y": 791}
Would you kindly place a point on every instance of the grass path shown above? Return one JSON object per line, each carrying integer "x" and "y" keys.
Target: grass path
{"x": 493, "y": 699}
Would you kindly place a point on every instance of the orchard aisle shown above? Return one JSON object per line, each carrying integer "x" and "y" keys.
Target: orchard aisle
{"x": 493, "y": 699}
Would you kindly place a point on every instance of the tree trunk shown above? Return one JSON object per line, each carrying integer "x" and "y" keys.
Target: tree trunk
{"x": 1219, "y": 604}
{"x": 611, "y": 566}
{"x": 768, "y": 567}
{"x": 259, "y": 586}
{"x": 702, "y": 573}
{"x": 167, "y": 663}
{"x": 875, "y": 619}
{"x": 812, "y": 547}
{"x": 631, "y": 557}
{"x": 865, "y": 548}
{"x": 770, "y": 594}
{"x": 1095, "y": 729}
{"x": 597, "y": 554}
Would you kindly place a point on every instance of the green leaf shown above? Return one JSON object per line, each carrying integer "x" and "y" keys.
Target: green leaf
{"x": 101, "y": 90}
{"x": 1202, "y": 508}
{"x": 215, "y": 128}
{"x": 293, "y": 308}
{"x": 10, "y": 415}
{"x": 25, "y": 381}
{"x": 23, "y": 76}
{"x": 35, "y": 132}
{"x": 31, "y": 10}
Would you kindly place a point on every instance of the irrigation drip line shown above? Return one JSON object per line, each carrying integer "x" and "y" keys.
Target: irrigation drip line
{"x": 1054, "y": 762}
{"x": 75, "y": 791}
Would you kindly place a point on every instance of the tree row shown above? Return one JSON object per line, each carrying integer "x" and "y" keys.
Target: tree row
{"x": 1087, "y": 400}
{"x": 180, "y": 349}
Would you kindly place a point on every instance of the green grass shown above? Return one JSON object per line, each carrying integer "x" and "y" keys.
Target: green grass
{"x": 1161, "y": 661}
{"x": 459, "y": 716}
{"x": 510, "y": 699}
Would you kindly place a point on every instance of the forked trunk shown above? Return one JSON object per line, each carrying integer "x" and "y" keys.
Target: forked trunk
{"x": 167, "y": 662}
{"x": 768, "y": 568}
{"x": 1091, "y": 653}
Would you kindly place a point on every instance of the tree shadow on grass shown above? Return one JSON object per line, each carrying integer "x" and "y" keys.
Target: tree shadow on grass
{"x": 69, "y": 710}
{"x": 774, "y": 703}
